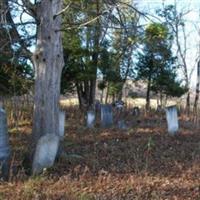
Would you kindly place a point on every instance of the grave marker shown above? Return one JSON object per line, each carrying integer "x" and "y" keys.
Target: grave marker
{"x": 172, "y": 119}
{"x": 121, "y": 124}
{"x": 90, "y": 119}
{"x": 45, "y": 153}
{"x": 106, "y": 116}
{"x": 4, "y": 147}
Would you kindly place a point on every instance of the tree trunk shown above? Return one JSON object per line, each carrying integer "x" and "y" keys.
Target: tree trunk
{"x": 48, "y": 63}
{"x": 107, "y": 93}
{"x": 161, "y": 99}
{"x": 79, "y": 95}
{"x": 148, "y": 94}
{"x": 120, "y": 93}
{"x": 102, "y": 94}
{"x": 188, "y": 103}
{"x": 95, "y": 56}
{"x": 197, "y": 89}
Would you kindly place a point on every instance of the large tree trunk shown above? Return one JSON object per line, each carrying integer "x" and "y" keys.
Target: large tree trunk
{"x": 48, "y": 62}
{"x": 97, "y": 31}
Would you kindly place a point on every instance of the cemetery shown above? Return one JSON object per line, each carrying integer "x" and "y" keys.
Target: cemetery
{"x": 103, "y": 159}
{"x": 99, "y": 100}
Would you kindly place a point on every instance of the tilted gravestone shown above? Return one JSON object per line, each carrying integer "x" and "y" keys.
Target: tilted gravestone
{"x": 121, "y": 124}
{"x": 4, "y": 147}
{"x": 172, "y": 119}
{"x": 45, "y": 153}
{"x": 106, "y": 116}
{"x": 61, "y": 124}
{"x": 90, "y": 119}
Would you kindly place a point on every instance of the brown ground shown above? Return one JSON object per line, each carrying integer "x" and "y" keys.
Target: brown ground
{"x": 140, "y": 163}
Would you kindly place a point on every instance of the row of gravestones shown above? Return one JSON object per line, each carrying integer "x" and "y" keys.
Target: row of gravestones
{"x": 107, "y": 118}
{"x": 47, "y": 146}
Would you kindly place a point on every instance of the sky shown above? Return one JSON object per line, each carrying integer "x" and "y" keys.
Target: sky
{"x": 192, "y": 24}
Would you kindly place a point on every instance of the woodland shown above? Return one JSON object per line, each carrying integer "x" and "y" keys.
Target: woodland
{"x": 99, "y": 100}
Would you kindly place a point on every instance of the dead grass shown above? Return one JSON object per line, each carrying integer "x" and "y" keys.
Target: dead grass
{"x": 140, "y": 163}
{"x": 130, "y": 102}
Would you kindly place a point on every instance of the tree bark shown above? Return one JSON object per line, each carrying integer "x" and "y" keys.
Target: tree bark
{"x": 102, "y": 94}
{"x": 107, "y": 93}
{"x": 197, "y": 89}
{"x": 148, "y": 94}
{"x": 48, "y": 63}
{"x": 97, "y": 32}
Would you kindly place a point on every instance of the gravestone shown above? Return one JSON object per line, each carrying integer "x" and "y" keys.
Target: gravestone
{"x": 136, "y": 111}
{"x": 172, "y": 119}
{"x": 61, "y": 124}
{"x": 45, "y": 153}
{"x": 121, "y": 124}
{"x": 106, "y": 116}
{"x": 4, "y": 147}
{"x": 90, "y": 119}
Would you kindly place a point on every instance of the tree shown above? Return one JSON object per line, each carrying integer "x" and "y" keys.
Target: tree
{"x": 124, "y": 42}
{"x": 81, "y": 44}
{"x": 197, "y": 88}
{"x": 48, "y": 62}
{"x": 156, "y": 63}
{"x": 166, "y": 84}
{"x": 174, "y": 20}
{"x": 16, "y": 76}
{"x": 47, "y": 59}
{"x": 99, "y": 22}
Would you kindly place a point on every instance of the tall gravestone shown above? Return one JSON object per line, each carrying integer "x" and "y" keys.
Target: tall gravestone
{"x": 106, "y": 116}
{"x": 62, "y": 124}
{"x": 90, "y": 119}
{"x": 172, "y": 119}
{"x": 4, "y": 147}
{"x": 45, "y": 153}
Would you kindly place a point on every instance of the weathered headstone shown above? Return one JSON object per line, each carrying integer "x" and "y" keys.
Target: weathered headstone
{"x": 136, "y": 111}
{"x": 90, "y": 119}
{"x": 172, "y": 119}
{"x": 106, "y": 116}
{"x": 45, "y": 153}
{"x": 61, "y": 124}
{"x": 121, "y": 124}
{"x": 4, "y": 147}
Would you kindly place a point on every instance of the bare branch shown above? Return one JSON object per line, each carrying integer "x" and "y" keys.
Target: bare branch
{"x": 30, "y": 8}
{"x": 63, "y": 10}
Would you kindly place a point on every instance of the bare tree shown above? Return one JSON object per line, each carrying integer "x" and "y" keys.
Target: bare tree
{"x": 197, "y": 89}
{"x": 176, "y": 22}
